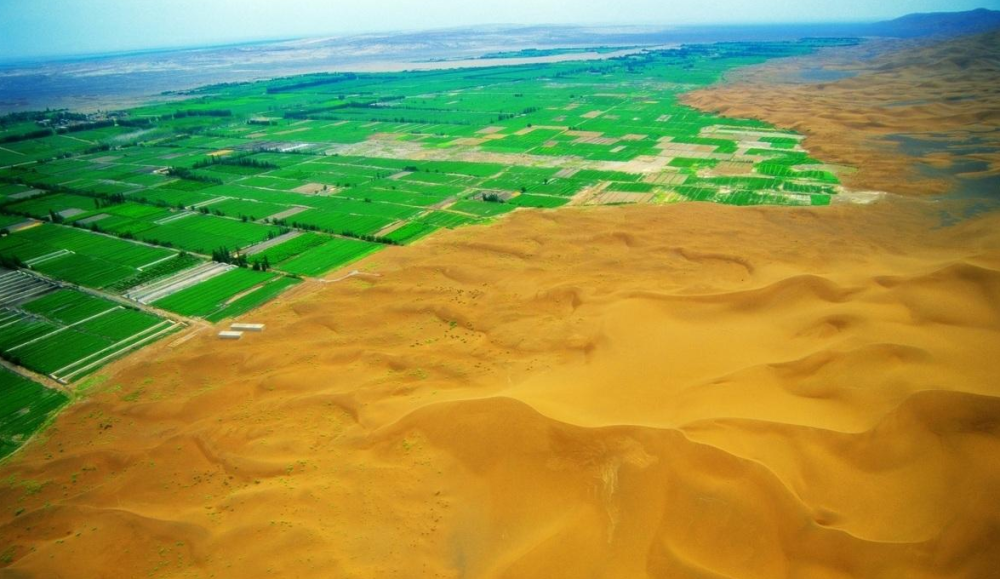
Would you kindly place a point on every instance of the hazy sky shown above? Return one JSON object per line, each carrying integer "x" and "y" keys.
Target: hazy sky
{"x": 47, "y": 27}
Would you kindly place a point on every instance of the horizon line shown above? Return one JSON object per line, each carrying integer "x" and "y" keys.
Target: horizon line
{"x": 38, "y": 58}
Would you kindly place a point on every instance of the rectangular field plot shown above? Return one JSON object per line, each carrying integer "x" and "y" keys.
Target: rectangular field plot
{"x": 253, "y": 210}
{"x": 334, "y": 253}
{"x": 66, "y": 334}
{"x": 254, "y": 299}
{"x": 410, "y": 232}
{"x": 25, "y": 406}
{"x": 213, "y": 296}
{"x": 340, "y": 223}
{"x": 289, "y": 248}
{"x": 206, "y": 233}
{"x": 538, "y": 201}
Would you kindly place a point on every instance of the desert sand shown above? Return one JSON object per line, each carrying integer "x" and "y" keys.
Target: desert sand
{"x": 946, "y": 92}
{"x": 649, "y": 391}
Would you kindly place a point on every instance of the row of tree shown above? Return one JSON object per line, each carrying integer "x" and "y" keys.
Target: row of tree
{"x": 185, "y": 173}
{"x": 224, "y": 255}
{"x": 236, "y": 161}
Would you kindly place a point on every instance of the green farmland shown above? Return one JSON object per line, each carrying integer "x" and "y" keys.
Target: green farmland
{"x": 211, "y": 297}
{"x": 329, "y": 255}
{"x": 145, "y": 220}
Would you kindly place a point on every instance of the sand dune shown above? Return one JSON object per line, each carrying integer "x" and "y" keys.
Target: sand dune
{"x": 660, "y": 391}
{"x": 692, "y": 390}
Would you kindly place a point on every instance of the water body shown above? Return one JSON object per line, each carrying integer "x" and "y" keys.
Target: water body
{"x": 975, "y": 191}
{"x": 930, "y": 143}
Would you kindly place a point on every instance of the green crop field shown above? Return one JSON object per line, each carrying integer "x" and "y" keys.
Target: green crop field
{"x": 251, "y": 300}
{"x": 66, "y": 306}
{"x": 212, "y": 296}
{"x": 322, "y": 258}
{"x": 24, "y": 407}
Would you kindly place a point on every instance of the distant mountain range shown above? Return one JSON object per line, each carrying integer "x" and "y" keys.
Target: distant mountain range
{"x": 938, "y": 24}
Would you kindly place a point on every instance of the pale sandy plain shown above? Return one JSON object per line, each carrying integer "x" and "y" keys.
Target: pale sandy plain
{"x": 648, "y": 391}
